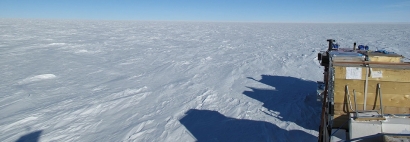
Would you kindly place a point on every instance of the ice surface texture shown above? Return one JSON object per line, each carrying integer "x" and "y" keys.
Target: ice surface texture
{"x": 169, "y": 81}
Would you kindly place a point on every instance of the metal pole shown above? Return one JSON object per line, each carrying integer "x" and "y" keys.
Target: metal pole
{"x": 354, "y": 46}
{"x": 365, "y": 87}
{"x": 330, "y": 44}
{"x": 355, "y": 104}
{"x": 380, "y": 97}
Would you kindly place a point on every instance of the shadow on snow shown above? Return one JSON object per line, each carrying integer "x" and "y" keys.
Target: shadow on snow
{"x": 293, "y": 98}
{"x": 206, "y": 125}
{"x": 31, "y": 137}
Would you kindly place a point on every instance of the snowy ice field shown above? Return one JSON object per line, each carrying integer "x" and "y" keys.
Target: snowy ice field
{"x": 169, "y": 81}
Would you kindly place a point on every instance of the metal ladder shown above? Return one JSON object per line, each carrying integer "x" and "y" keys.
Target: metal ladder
{"x": 366, "y": 114}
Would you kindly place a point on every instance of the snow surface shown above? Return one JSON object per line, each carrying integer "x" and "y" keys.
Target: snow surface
{"x": 169, "y": 81}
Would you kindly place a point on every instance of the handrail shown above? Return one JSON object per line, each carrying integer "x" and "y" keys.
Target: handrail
{"x": 373, "y": 62}
{"x": 379, "y": 93}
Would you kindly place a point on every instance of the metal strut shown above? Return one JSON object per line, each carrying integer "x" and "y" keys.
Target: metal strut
{"x": 355, "y": 104}
{"x": 365, "y": 87}
{"x": 380, "y": 97}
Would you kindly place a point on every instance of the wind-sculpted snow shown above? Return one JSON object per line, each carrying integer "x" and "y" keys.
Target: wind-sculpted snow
{"x": 37, "y": 78}
{"x": 169, "y": 81}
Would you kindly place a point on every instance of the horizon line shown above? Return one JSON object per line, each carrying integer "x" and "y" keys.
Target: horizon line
{"x": 196, "y": 21}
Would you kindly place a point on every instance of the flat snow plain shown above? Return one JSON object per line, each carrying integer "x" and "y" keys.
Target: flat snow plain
{"x": 169, "y": 81}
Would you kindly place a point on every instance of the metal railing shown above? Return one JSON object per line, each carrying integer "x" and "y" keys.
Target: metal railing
{"x": 379, "y": 94}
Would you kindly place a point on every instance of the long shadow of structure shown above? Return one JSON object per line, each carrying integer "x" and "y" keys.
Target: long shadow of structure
{"x": 31, "y": 137}
{"x": 209, "y": 126}
{"x": 293, "y": 98}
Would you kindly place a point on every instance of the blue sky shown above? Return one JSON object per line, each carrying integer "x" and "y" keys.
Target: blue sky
{"x": 301, "y": 11}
